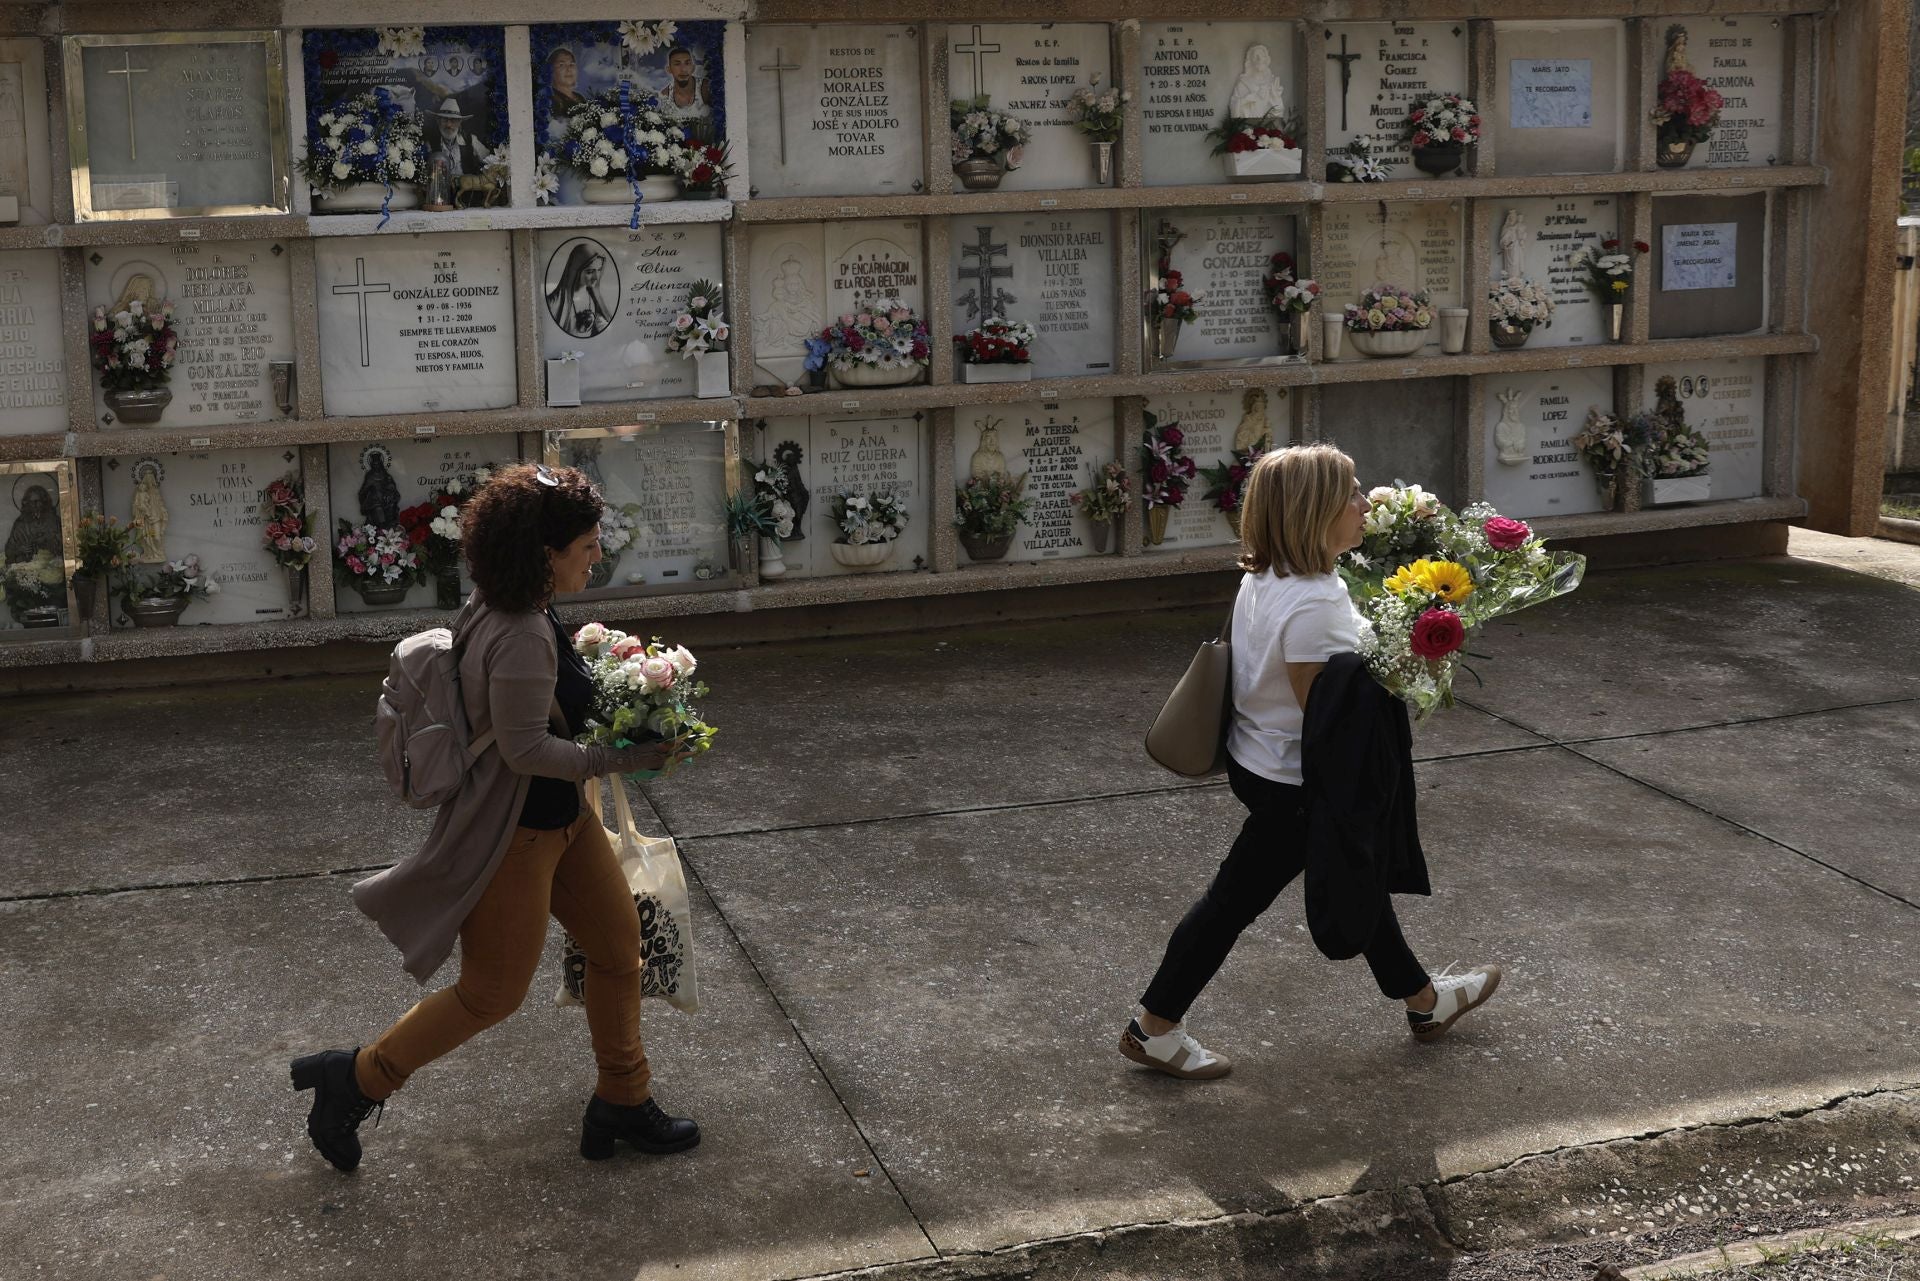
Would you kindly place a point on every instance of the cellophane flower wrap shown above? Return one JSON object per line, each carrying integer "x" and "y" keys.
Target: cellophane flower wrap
{"x": 643, "y": 692}
{"x": 1426, "y": 579}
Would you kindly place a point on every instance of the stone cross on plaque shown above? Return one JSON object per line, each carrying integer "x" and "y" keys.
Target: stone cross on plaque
{"x": 985, "y": 298}
{"x": 129, "y": 71}
{"x": 779, "y": 66}
{"x": 360, "y": 288}
{"x": 977, "y": 51}
{"x": 1346, "y": 61}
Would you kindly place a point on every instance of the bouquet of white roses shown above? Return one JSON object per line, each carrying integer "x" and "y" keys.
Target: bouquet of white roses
{"x": 643, "y": 692}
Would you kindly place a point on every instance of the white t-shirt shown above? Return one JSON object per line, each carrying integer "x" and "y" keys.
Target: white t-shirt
{"x": 1299, "y": 618}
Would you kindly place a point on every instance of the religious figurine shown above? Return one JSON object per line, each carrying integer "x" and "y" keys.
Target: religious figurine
{"x": 792, "y": 314}
{"x": 439, "y": 196}
{"x": 1253, "y": 431}
{"x": 786, "y": 456}
{"x": 1677, "y": 48}
{"x": 36, "y": 527}
{"x": 987, "y": 460}
{"x": 379, "y": 495}
{"x": 1258, "y": 93}
{"x": 139, "y": 287}
{"x": 150, "y": 512}
{"x": 585, "y": 459}
{"x": 1513, "y": 245}
{"x": 1510, "y": 434}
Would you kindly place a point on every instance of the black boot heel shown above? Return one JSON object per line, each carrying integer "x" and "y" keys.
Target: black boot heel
{"x": 597, "y": 1143}
{"x": 643, "y": 1125}
{"x": 308, "y": 1071}
{"x": 338, "y": 1105}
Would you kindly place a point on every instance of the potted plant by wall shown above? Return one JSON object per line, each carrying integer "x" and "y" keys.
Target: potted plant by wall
{"x": 1688, "y": 109}
{"x": 1678, "y": 457}
{"x": 865, "y": 525}
{"x": 705, "y": 169}
{"x": 286, "y": 532}
{"x": 1227, "y": 481}
{"x": 998, "y": 351}
{"x": 987, "y": 511}
{"x": 379, "y": 563}
{"x": 1607, "y": 272}
{"x": 1514, "y": 307}
{"x": 133, "y": 348}
{"x": 623, "y": 148}
{"x": 1291, "y": 299}
{"x": 1257, "y": 150}
{"x": 883, "y": 345}
{"x": 1389, "y": 320}
{"x": 747, "y": 519}
{"x": 106, "y": 547}
{"x": 1103, "y": 500}
{"x": 365, "y": 154}
{"x": 700, "y": 333}
{"x": 157, "y": 598}
{"x": 987, "y": 144}
{"x": 1098, "y": 113}
{"x": 36, "y": 589}
{"x": 1167, "y": 471}
{"x": 1441, "y": 129}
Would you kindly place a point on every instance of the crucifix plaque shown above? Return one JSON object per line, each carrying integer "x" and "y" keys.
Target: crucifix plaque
{"x": 1030, "y": 70}
{"x": 834, "y": 111}
{"x": 1384, "y": 69}
{"x": 1053, "y": 271}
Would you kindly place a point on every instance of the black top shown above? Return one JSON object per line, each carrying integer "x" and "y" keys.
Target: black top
{"x": 552, "y": 803}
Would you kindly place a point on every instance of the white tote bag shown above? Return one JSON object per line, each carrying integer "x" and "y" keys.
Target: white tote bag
{"x": 652, "y": 867}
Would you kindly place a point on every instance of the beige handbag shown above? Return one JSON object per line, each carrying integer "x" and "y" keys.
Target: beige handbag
{"x": 1189, "y": 736}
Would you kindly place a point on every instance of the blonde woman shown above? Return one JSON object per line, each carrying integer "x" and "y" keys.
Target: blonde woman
{"x": 1302, "y": 508}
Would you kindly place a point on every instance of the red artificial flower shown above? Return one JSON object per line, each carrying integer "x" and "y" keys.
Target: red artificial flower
{"x": 1172, "y": 279}
{"x": 417, "y": 535}
{"x": 1609, "y": 244}
{"x": 1159, "y": 473}
{"x": 1282, "y": 261}
{"x": 1422, "y": 138}
{"x": 1437, "y": 633}
{"x": 1642, "y": 246}
{"x": 1169, "y": 310}
{"x": 329, "y": 59}
{"x": 1181, "y": 298}
{"x": 1241, "y": 142}
{"x": 854, "y": 341}
{"x": 1473, "y": 120}
{"x": 1503, "y": 535}
{"x": 1419, "y": 114}
{"x": 919, "y": 349}
{"x": 1173, "y": 436}
{"x": 1459, "y": 134}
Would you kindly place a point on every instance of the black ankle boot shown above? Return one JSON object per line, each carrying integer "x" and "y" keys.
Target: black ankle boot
{"x": 338, "y": 1106}
{"x": 643, "y": 1124}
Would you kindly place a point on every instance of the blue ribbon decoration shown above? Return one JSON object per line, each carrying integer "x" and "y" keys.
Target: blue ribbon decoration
{"x": 388, "y": 111}
{"x": 626, "y": 127}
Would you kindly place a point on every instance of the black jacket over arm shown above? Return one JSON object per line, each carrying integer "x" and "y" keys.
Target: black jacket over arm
{"x": 1363, "y": 840}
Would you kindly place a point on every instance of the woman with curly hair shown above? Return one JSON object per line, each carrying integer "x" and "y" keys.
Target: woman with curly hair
{"x": 515, "y": 843}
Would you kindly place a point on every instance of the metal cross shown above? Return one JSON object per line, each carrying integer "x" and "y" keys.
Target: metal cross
{"x": 1346, "y": 61}
{"x": 360, "y": 288}
{"x": 978, "y": 51}
{"x": 777, "y": 67}
{"x": 130, "y": 71}
{"x": 985, "y": 298}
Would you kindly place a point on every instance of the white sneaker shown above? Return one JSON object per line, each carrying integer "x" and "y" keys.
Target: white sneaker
{"x": 1454, "y": 995}
{"x": 1174, "y": 1053}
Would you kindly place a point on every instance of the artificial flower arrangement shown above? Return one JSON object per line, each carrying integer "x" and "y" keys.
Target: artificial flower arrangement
{"x": 1425, "y": 579}
{"x": 1677, "y": 457}
{"x": 134, "y": 348}
{"x": 617, "y": 135}
{"x": 705, "y": 168}
{"x": 1164, "y": 464}
{"x": 986, "y": 143}
{"x": 997, "y": 340}
{"x": 641, "y": 37}
{"x": 1097, "y": 112}
{"x": 1227, "y": 481}
{"x": 368, "y": 137}
{"x": 617, "y": 526}
{"x": 105, "y": 545}
{"x": 376, "y": 557}
{"x": 178, "y": 580}
{"x": 1389, "y": 320}
{"x": 987, "y": 511}
{"x": 1356, "y": 162}
{"x": 860, "y": 519}
{"x": 1264, "y": 148}
{"x": 546, "y": 179}
{"x": 1607, "y": 270}
{"x": 433, "y": 527}
{"x": 1515, "y": 306}
{"x": 1105, "y": 497}
{"x": 287, "y": 525}
{"x": 1286, "y": 293}
{"x": 886, "y": 336}
{"x": 1447, "y": 121}
{"x": 1616, "y": 450}
{"x": 699, "y": 328}
{"x": 1171, "y": 299}
{"x": 770, "y": 485}
{"x": 35, "y": 584}
{"x": 643, "y": 692}
{"x": 1688, "y": 111}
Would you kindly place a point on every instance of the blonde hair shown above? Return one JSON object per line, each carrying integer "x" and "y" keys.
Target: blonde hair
{"x": 1290, "y": 504}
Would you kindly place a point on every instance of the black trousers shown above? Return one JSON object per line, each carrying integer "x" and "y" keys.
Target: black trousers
{"x": 1269, "y": 852}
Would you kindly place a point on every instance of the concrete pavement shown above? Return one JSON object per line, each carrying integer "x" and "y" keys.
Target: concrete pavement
{"x": 934, "y": 871}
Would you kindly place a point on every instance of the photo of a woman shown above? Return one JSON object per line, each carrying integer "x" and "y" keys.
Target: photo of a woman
{"x": 580, "y": 298}
{"x": 563, "y": 78}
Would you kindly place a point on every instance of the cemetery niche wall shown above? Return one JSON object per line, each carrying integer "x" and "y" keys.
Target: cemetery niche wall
{"x": 502, "y": 301}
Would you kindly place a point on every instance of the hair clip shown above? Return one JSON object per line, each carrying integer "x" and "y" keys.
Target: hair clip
{"x": 545, "y": 476}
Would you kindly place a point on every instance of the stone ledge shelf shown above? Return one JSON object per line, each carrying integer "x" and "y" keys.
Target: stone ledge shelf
{"x": 1731, "y": 511}
{"x": 768, "y": 11}
{"x": 413, "y": 221}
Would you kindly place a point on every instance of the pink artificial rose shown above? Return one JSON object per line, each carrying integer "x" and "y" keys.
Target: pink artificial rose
{"x": 864, "y": 318}
{"x": 846, "y": 320}
{"x": 899, "y": 314}
{"x": 882, "y": 325}
{"x": 625, "y": 649}
{"x": 1504, "y": 535}
{"x": 357, "y": 565}
{"x": 658, "y": 671}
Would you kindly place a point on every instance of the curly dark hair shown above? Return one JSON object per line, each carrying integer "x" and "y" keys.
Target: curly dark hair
{"x": 507, "y": 528}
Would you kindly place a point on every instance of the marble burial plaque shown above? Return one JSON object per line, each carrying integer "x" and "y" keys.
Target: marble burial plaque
{"x": 1030, "y": 70}
{"x": 835, "y": 110}
{"x": 1710, "y": 272}
{"x": 1054, "y": 271}
{"x": 26, "y": 169}
{"x": 1727, "y": 401}
{"x": 30, "y": 524}
{"x": 1378, "y": 70}
{"x": 1415, "y": 245}
{"x": 33, "y": 380}
{"x": 1057, "y": 446}
{"x": 672, "y": 482}
{"x": 1192, "y": 73}
{"x": 181, "y": 126}
{"x": 1216, "y": 425}
{"x": 613, "y": 294}
{"x": 1222, "y": 258}
{"x": 803, "y": 275}
{"x": 365, "y": 476}
{"x": 1538, "y": 237}
{"x": 1550, "y": 408}
{"x": 1403, "y": 430}
{"x": 212, "y": 504}
{"x": 416, "y": 323}
{"x": 1562, "y": 91}
{"x": 826, "y": 456}
{"x": 233, "y": 307}
{"x": 1745, "y": 60}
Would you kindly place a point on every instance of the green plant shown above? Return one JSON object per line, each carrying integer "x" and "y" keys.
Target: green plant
{"x": 105, "y": 544}
{"x": 747, "y": 514}
{"x": 992, "y": 507}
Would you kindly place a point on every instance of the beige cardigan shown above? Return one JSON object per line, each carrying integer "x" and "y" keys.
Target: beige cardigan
{"x": 508, "y": 666}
